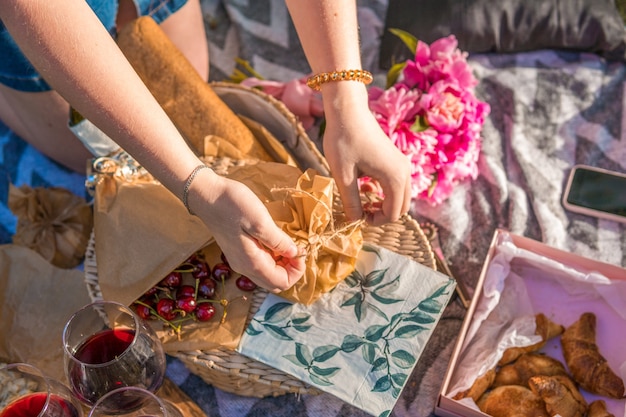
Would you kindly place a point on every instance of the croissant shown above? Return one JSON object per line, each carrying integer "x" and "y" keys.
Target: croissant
{"x": 512, "y": 401}
{"x": 597, "y": 408}
{"x": 560, "y": 395}
{"x": 545, "y": 328}
{"x": 527, "y": 366}
{"x": 478, "y": 388}
{"x": 587, "y": 366}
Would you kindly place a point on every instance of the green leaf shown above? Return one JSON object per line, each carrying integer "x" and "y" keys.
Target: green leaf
{"x": 327, "y": 372}
{"x": 382, "y": 385}
{"x": 278, "y": 312}
{"x": 406, "y": 332}
{"x": 356, "y": 298}
{"x": 277, "y": 332}
{"x": 399, "y": 379}
{"x": 378, "y": 311}
{"x": 407, "y": 38}
{"x": 419, "y": 125}
{"x": 300, "y": 318}
{"x": 394, "y": 73}
{"x": 302, "y": 329}
{"x": 295, "y": 360}
{"x": 252, "y": 331}
{"x": 384, "y": 300}
{"x": 403, "y": 359}
{"x": 320, "y": 380}
{"x": 369, "y": 353}
{"x": 395, "y": 392}
{"x": 360, "y": 310}
{"x": 419, "y": 317}
{"x": 385, "y": 413}
{"x": 430, "y": 306}
{"x": 303, "y": 354}
{"x": 351, "y": 343}
{"x": 353, "y": 279}
{"x": 375, "y": 277}
{"x": 324, "y": 353}
{"x": 371, "y": 249}
{"x": 375, "y": 332}
{"x": 379, "y": 364}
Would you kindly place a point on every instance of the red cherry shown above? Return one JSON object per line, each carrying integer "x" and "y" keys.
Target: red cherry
{"x": 185, "y": 291}
{"x": 221, "y": 271}
{"x": 201, "y": 270}
{"x": 172, "y": 280}
{"x": 206, "y": 288}
{"x": 151, "y": 291}
{"x": 245, "y": 284}
{"x": 187, "y": 304}
{"x": 143, "y": 311}
{"x": 166, "y": 308}
{"x": 205, "y": 311}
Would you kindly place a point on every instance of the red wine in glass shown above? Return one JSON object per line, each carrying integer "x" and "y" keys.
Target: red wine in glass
{"x": 111, "y": 346}
{"x": 31, "y": 405}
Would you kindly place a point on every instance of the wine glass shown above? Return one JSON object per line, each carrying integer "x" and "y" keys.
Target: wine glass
{"x": 133, "y": 402}
{"x": 107, "y": 346}
{"x": 26, "y": 392}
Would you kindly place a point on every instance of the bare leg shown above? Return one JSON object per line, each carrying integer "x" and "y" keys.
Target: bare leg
{"x": 41, "y": 118}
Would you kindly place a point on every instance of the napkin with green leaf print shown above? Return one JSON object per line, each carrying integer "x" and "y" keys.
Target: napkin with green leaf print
{"x": 361, "y": 341}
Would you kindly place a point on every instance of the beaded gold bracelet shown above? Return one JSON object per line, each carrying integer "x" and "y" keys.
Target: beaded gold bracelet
{"x": 315, "y": 82}
{"x": 188, "y": 184}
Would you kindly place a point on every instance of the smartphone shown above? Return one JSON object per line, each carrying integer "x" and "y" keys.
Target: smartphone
{"x": 596, "y": 192}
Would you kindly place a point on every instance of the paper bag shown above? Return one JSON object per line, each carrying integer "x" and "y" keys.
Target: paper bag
{"x": 142, "y": 232}
{"x": 36, "y": 300}
{"x": 301, "y": 204}
{"x": 53, "y": 222}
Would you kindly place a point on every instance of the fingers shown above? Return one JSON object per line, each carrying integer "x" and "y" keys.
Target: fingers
{"x": 396, "y": 203}
{"x": 350, "y": 197}
{"x": 275, "y": 262}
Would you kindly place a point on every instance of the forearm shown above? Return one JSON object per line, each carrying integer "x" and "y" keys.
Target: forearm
{"x": 67, "y": 43}
{"x": 328, "y": 32}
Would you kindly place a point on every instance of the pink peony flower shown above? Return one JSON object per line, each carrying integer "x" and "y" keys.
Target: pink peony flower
{"x": 432, "y": 115}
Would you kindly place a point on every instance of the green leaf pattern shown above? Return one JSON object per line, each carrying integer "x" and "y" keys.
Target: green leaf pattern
{"x": 386, "y": 338}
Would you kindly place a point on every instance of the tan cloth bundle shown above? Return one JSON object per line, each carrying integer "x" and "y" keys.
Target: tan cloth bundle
{"x": 53, "y": 222}
{"x": 302, "y": 205}
{"x": 207, "y": 123}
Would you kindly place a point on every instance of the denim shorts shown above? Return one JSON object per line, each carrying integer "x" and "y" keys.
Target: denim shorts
{"x": 16, "y": 71}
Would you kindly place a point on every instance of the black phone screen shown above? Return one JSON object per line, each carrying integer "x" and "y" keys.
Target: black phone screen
{"x": 598, "y": 191}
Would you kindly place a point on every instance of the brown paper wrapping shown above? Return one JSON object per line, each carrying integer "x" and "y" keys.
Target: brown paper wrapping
{"x": 142, "y": 233}
{"x": 36, "y": 300}
{"x": 53, "y": 222}
{"x": 301, "y": 204}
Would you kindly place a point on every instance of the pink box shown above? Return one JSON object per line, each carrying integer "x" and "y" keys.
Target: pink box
{"x": 553, "y": 283}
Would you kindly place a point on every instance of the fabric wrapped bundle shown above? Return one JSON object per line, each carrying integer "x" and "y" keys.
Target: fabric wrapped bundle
{"x": 301, "y": 204}
{"x": 53, "y": 222}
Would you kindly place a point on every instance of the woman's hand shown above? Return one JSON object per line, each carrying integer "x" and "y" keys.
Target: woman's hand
{"x": 245, "y": 231}
{"x": 355, "y": 145}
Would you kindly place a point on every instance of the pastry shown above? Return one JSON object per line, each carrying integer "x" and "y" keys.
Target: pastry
{"x": 560, "y": 395}
{"x": 585, "y": 362}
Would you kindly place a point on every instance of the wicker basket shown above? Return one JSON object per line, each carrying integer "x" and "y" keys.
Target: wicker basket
{"x": 224, "y": 368}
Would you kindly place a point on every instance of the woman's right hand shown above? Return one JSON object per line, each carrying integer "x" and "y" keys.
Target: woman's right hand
{"x": 244, "y": 230}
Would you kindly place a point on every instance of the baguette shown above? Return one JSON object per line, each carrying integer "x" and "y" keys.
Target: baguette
{"x": 189, "y": 101}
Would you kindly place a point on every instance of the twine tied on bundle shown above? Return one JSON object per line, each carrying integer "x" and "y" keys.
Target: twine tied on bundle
{"x": 301, "y": 204}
